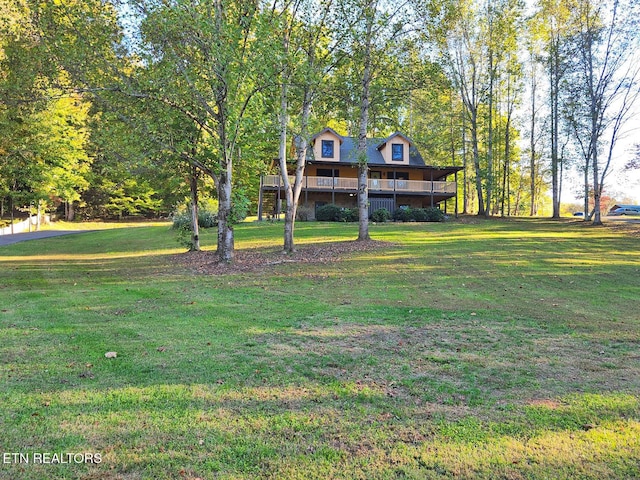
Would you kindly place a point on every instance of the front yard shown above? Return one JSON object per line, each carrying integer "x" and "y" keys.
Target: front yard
{"x": 468, "y": 349}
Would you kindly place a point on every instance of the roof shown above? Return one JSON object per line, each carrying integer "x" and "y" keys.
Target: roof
{"x": 349, "y": 150}
{"x": 617, "y": 205}
{"x": 325, "y": 130}
{"x": 349, "y": 154}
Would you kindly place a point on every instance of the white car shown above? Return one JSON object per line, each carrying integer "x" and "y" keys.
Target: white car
{"x": 625, "y": 211}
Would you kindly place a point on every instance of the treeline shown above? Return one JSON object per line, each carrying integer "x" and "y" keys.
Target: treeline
{"x": 131, "y": 107}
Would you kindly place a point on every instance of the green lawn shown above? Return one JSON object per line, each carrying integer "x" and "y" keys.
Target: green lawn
{"x": 471, "y": 349}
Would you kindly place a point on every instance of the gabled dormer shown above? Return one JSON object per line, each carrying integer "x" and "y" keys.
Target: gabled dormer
{"x": 326, "y": 145}
{"x": 395, "y": 149}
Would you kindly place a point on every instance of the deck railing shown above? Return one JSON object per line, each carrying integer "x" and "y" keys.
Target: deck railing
{"x": 375, "y": 185}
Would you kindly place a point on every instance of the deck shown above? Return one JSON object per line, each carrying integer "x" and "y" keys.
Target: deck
{"x": 340, "y": 184}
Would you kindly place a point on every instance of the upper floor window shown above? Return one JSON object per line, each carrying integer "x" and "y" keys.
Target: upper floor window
{"x": 397, "y": 152}
{"x": 327, "y": 149}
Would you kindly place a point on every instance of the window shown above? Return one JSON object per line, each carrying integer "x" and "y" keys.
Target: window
{"x": 328, "y": 172}
{"x": 397, "y": 152}
{"x": 327, "y": 148}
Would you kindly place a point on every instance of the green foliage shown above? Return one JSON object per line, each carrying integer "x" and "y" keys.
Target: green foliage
{"x": 240, "y": 203}
{"x": 381, "y": 215}
{"x": 304, "y": 213}
{"x": 328, "y": 213}
{"x": 429, "y": 214}
{"x": 402, "y": 214}
{"x": 334, "y": 213}
{"x": 181, "y": 220}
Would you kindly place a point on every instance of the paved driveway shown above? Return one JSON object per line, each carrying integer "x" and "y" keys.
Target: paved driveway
{"x": 622, "y": 219}
{"x": 22, "y": 237}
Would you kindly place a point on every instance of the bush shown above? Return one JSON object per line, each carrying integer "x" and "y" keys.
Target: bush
{"x": 419, "y": 215}
{"x": 349, "y": 215}
{"x": 328, "y": 213}
{"x": 206, "y": 219}
{"x": 430, "y": 214}
{"x": 434, "y": 214}
{"x": 381, "y": 215}
{"x": 402, "y": 214}
{"x": 304, "y": 213}
{"x": 333, "y": 213}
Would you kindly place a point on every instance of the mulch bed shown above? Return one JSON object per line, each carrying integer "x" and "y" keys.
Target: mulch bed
{"x": 264, "y": 259}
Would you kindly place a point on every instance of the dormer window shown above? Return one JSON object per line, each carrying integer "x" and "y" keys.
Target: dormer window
{"x": 327, "y": 148}
{"x": 397, "y": 152}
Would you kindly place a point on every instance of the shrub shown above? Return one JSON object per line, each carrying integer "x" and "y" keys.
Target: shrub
{"x": 419, "y": 215}
{"x": 381, "y": 215}
{"x": 304, "y": 213}
{"x": 328, "y": 213}
{"x": 430, "y": 214}
{"x": 333, "y": 213}
{"x": 349, "y": 215}
{"x": 206, "y": 219}
{"x": 434, "y": 214}
{"x": 402, "y": 214}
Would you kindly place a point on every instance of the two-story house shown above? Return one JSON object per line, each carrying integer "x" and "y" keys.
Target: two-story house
{"x": 398, "y": 176}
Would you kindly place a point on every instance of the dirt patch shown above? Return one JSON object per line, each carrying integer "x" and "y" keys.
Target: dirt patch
{"x": 264, "y": 259}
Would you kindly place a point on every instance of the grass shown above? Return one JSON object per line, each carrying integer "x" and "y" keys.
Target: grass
{"x": 476, "y": 349}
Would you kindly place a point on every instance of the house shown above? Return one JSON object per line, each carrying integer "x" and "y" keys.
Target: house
{"x": 398, "y": 176}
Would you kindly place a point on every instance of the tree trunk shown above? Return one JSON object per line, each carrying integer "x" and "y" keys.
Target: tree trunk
{"x": 465, "y": 186}
{"x": 554, "y": 91}
{"x": 363, "y": 169}
{"x": 476, "y": 162}
{"x": 195, "y": 228}
{"x": 532, "y": 145}
{"x": 492, "y": 76}
{"x": 225, "y": 223}
{"x": 71, "y": 214}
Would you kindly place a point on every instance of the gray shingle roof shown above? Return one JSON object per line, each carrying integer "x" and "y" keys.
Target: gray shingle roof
{"x": 349, "y": 150}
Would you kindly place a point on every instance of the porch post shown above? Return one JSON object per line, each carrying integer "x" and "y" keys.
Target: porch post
{"x": 432, "y": 190}
{"x": 278, "y": 198}
{"x": 333, "y": 186}
{"x": 456, "y": 180}
{"x": 260, "y": 194}
{"x": 395, "y": 195}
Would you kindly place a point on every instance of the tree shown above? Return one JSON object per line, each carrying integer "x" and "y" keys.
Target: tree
{"x": 205, "y": 62}
{"x": 374, "y": 33}
{"x": 305, "y": 59}
{"x": 605, "y": 85}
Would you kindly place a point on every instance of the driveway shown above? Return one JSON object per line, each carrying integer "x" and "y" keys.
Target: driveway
{"x": 23, "y": 237}
{"x": 622, "y": 219}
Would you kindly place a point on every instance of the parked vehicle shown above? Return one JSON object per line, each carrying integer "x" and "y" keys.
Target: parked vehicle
{"x": 625, "y": 211}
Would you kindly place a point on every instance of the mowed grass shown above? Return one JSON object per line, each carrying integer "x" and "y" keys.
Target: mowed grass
{"x": 471, "y": 349}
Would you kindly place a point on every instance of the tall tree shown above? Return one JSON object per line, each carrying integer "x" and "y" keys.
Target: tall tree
{"x": 305, "y": 61}
{"x": 375, "y": 32}
{"x": 555, "y": 15}
{"x": 605, "y": 81}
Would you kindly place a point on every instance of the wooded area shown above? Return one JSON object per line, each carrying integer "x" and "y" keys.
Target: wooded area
{"x": 135, "y": 107}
